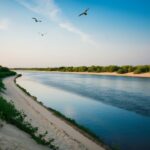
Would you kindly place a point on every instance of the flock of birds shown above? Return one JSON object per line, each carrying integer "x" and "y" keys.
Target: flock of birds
{"x": 84, "y": 13}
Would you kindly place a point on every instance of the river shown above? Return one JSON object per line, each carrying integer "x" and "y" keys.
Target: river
{"x": 117, "y": 109}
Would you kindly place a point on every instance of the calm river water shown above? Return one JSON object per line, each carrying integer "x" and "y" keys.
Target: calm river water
{"x": 117, "y": 109}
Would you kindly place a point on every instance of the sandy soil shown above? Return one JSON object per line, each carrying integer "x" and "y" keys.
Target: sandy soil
{"x": 11, "y": 138}
{"x": 131, "y": 74}
{"x": 65, "y": 136}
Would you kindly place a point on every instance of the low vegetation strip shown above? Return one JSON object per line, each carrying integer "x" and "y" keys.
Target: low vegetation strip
{"x": 10, "y": 114}
{"x": 97, "y": 69}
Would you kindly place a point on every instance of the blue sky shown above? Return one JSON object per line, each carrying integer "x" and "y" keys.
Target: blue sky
{"x": 114, "y": 32}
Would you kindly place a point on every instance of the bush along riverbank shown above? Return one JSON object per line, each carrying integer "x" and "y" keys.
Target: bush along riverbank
{"x": 5, "y": 72}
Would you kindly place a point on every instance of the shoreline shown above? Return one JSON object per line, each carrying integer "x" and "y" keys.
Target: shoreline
{"x": 142, "y": 75}
{"x": 130, "y": 74}
{"x": 89, "y": 134}
{"x": 78, "y": 138}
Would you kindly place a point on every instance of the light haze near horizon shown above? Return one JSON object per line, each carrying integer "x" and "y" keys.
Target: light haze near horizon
{"x": 114, "y": 32}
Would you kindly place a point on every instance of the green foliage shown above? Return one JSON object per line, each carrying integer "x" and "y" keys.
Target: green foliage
{"x": 92, "y": 69}
{"x": 111, "y": 68}
{"x": 4, "y": 69}
{"x": 4, "y": 72}
{"x": 142, "y": 69}
{"x": 10, "y": 114}
{"x": 125, "y": 69}
{"x": 1, "y": 85}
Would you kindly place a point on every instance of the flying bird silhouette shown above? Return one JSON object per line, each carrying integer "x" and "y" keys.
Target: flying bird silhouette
{"x": 84, "y": 13}
{"x": 36, "y": 20}
{"x": 42, "y": 34}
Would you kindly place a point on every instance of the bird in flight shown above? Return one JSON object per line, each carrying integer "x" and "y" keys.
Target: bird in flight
{"x": 84, "y": 13}
{"x": 42, "y": 34}
{"x": 36, "y": 20}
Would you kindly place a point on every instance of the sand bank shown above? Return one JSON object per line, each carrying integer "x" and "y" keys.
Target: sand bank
{"x": 12, "y": 138}
{"x": 131, "y": 74}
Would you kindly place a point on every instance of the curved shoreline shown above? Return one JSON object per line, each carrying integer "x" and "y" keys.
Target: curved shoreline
{"x": 78, "y": 138}
{"x": 89, "y": 134}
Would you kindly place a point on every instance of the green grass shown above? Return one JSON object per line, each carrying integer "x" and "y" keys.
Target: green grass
{"x": 10, "y": 114}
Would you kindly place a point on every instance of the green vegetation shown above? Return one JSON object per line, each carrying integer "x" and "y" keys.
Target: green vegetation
{"x": 5, "y": 72}
{"x": 1, "y": 85}
{"x": 142, "y": 69}
{"x": 10, "y": 114}
{"x": 97, "y": 69}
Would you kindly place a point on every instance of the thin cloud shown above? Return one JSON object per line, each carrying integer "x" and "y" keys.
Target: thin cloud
{"x": 69, "y": 27}
{"x": 50, "y": 9}
{"x": 4, "y": 24}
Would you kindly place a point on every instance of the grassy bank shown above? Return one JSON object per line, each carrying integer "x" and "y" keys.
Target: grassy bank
{"x": 11, "y": 115}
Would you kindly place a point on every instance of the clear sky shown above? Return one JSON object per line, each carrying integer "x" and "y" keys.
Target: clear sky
{"x": 114, "y": 32}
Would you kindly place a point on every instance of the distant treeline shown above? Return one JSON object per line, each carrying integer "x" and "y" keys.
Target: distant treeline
{"x": 98, "y": 69}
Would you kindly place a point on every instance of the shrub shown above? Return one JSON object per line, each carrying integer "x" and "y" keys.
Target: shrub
{"x": 121, "y": 71}
{"x": 142, "y": 69}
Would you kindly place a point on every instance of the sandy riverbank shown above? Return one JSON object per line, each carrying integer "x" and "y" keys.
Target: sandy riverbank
{"x": 131, "y": 74}
{"x": 12, "y": 138}
{"x": 65, "y": 136}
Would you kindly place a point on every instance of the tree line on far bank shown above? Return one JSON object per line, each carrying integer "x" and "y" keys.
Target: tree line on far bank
{"x": 97, "y": 69}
